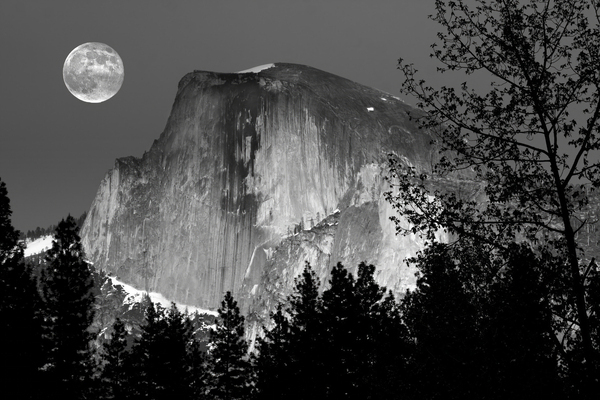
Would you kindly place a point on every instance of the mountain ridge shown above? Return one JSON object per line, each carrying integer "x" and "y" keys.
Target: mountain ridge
{"x": 244, "y": 160}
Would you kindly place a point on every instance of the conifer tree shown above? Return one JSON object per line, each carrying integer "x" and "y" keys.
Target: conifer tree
{"x": 115, "y": 358}
{"x": 305, "y": 301}
{"x": 339, "y": 343}
{"x": 183, "y": 368}
{"x": 9, "y": 237}
{"x": 519, "y": 345}
{"x": 19, "y": 305}
{"x": 493, "y": 339}
{"x": 197, "y": 375}
{"x": 66, "y": 286}
{"x": 148, "y": 356}
{"x": 386, "y": 372}
{"x": 306, "y": 347}
{"x": 349, "y": 343}
{"x": 273, "y": 364}
{"x": 364, "y": 346}
{"x": 290, "y": 361}
{"x": 369, "y": 318}
{"x": 229, "y": 365}
{"x": 444, "y": 323}
{"x": 381, "y": 347}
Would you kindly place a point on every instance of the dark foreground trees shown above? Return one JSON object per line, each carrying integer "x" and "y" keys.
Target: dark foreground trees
{"x": 481, "y": 324}
{"x": 521, "y": 144}
{"x": 68, "y": 310}
{"x": 483, "y": 329}
{"x": 476, "y": 326}
{"x": 115, "y": 375}
{"x": 20, "y": 334}
{"x": 230, "y": 374}
{"x": 165, "y": 361}
{"x": 347, "y": 343}
{"x": 45, "y": 332}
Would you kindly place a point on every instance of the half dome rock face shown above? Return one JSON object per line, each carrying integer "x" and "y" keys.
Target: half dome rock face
{"x": 256, "y": 173}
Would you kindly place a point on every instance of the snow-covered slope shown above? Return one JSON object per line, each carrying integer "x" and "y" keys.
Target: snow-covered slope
{"x": 38, "y": 245}
{"x": 135, "y": 296}
{"x": 257, "y": 69}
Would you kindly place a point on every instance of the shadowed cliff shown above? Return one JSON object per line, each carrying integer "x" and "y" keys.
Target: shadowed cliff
{"x": 245, "y": 183}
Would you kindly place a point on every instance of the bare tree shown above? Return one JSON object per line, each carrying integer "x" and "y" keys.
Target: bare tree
{"x": 524, "y": 145}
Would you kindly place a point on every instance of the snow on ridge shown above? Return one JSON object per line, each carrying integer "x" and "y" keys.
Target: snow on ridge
{"x": 136, "y": 295}
{"x": 256, "y": 69}
{"x": 387, "y": 96}
{"x": 38, "y": 245}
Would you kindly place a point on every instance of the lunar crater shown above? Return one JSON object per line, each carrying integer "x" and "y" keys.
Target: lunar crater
{"x": 93, "y": 72}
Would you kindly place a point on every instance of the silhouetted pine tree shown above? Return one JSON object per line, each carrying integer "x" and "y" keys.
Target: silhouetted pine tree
{"x": 381, "y": 347}
{"x": 183, "y": 369}
{"x": 66, "y": 285}
{"x": 387, "y": 372}
{"x": 196, "y": 363}
{"x": 231, "y": 375}
{"x": 115, "y": 374}
{"x": 306, "y": 337}
{"x": 340, "y": 342}
{"x": 166, "y": 360}
{"x": 370, "y": 322}
{"x": 444, "y": 323}
{"x": 365, "y": 343}
{"x": 344, "y": 344}
{"x": 147, "y": 355}
{"x": 519, "y": 346}
{"x": 9, "y": 237}
{"x": 19, "y": 304}
{"x": 482, "y": 329}
{"x": 273, "y": 364}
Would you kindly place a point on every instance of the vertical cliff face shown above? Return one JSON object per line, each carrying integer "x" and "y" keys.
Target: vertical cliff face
{"x": 254, "y": 174}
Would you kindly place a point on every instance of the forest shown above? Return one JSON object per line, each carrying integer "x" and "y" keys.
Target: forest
{"x": 473, "y": 328}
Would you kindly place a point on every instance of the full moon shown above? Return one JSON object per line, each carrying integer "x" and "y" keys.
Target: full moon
{"x": 93, "y": 72}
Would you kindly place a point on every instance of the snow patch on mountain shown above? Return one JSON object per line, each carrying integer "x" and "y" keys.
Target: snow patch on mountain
{"x": 256, "y": 69}
{"x": 38, "y": 246}
{"x": 135, "y": 296}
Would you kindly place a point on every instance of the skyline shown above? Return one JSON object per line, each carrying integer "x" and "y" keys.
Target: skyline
{"x": 55, "y": 150}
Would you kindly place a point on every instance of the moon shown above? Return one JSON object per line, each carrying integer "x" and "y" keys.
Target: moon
{"x": 93, "y": 72}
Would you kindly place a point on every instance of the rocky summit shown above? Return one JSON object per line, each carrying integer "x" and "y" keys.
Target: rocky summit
{"x": 256, "y": 173}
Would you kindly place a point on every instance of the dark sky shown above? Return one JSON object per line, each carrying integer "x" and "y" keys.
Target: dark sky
{"x": 55, "y": 149}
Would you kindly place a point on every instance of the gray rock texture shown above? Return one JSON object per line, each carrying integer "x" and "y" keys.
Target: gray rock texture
{"x": 254, "y": 174}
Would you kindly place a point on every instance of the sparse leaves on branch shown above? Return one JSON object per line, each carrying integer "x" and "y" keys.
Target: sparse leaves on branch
{"x": 518, "y": 151}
